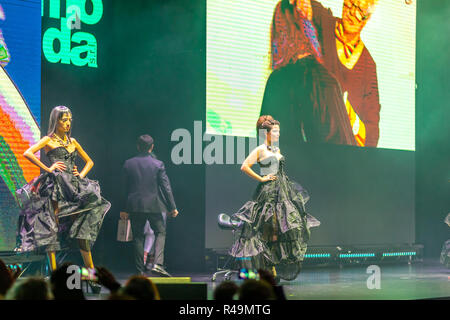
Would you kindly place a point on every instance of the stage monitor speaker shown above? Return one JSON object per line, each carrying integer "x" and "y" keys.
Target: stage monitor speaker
{"x": 182, "y": 291}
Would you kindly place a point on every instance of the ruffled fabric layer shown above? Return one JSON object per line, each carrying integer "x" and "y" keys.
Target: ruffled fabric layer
{"x": 445, "y": 254}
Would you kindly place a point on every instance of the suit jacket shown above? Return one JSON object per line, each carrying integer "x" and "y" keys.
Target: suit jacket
{"x": 147, "y": 185}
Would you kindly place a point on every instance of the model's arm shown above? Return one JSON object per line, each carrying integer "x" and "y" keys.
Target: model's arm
{"x": 89, "y": 163}
{"x": 371, "y": 109}
{"x": 249, "y": 162}
{"x": 29, "y": 154}
{"x": 304, "y": 6}
{"x": 313, "y": 11}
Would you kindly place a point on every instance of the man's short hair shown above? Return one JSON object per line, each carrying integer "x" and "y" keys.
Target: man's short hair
{"x": 144, "y": 142}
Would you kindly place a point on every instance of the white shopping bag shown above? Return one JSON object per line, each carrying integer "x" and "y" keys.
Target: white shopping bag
{"x": 124, "y": 233}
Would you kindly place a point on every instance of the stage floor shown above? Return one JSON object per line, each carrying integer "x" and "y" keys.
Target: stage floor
{"x": 420, "y": 280}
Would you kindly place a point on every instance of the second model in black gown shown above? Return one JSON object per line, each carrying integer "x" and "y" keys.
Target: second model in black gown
{"x": 276, "y": 226}
{"x": 81, "y": 207}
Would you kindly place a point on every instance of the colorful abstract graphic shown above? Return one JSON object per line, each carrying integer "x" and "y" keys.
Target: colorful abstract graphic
{"x": 18, "y": 131}
{"x": 20, "y": 73}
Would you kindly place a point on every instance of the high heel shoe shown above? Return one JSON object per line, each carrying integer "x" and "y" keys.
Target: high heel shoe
{"x": 95, "y": 287}
{"x": 226, "y": 222}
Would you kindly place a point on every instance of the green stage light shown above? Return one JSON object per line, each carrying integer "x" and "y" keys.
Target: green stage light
{"x": 318, "y": 255}
{"x": 397, "y": 254}
{"x": 356, "y": 255}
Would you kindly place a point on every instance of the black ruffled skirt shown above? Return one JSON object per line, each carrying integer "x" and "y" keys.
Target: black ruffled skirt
{"x": 80, "y": 216}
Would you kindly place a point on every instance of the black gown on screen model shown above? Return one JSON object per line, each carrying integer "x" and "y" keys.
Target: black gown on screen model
{"x": 81, "y": 207}
{"x": 276, "y": 226}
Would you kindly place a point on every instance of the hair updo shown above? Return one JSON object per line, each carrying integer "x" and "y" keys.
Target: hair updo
{"x": 266, "y": 123}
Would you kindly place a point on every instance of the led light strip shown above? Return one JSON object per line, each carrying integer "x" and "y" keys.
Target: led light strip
{"x": 397, "y": 254}
{"x": 356, "y": 255}
{"x": 317, "y": 255}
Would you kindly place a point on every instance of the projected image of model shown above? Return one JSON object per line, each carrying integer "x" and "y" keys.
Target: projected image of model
{"x": 311, "y": 78}
{"x": 340, "y": 72}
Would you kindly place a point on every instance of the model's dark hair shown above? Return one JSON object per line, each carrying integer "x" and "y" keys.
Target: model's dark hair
{"x": 56, "y": 115}
{"x": 266, "y": 122}
{"x": 144, "y": 143}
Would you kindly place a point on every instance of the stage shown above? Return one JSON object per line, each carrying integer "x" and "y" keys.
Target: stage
{"x": 351, "y": 141}
{"x": 419, "y": 280}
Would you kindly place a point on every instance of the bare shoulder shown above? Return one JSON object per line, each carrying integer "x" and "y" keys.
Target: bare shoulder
{"x": 45, "y": 139}
{"x": 260, "y": 148}
{"x": 75, "y": 143}
{"x": 45, "y": 142}
{"x": 279, "y": 153}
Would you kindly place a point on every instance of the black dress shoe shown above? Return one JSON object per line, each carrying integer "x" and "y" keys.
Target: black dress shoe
{"x": 95, "y": 287}
{"x": 149, "y": 263}
{"x": 160, "y": 271}
{"x": 148, "y": 267}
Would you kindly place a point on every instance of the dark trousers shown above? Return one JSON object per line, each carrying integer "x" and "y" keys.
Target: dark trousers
{"x": 156, "y": 221}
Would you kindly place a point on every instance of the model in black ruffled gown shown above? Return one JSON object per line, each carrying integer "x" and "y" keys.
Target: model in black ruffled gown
{"x": 61, "y": 205}
{"x": 275, "y": 228}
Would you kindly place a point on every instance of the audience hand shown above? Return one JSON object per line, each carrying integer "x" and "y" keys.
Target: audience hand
{"x": 16, "y": 272}
{"x": 106, "y": 279}
{"x": 267, "y": 276}
{"x": 6, "y": 278}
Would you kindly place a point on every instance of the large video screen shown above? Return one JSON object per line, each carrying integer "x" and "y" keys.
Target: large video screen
{"x": 20, "y": 105}
{"x": 337, "y": 73}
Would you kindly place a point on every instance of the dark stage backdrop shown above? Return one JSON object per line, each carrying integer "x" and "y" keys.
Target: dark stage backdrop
{"x": 433, "y": 125}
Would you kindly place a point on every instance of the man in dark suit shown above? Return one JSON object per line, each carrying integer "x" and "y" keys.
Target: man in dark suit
{"x": 148, "y": 194}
